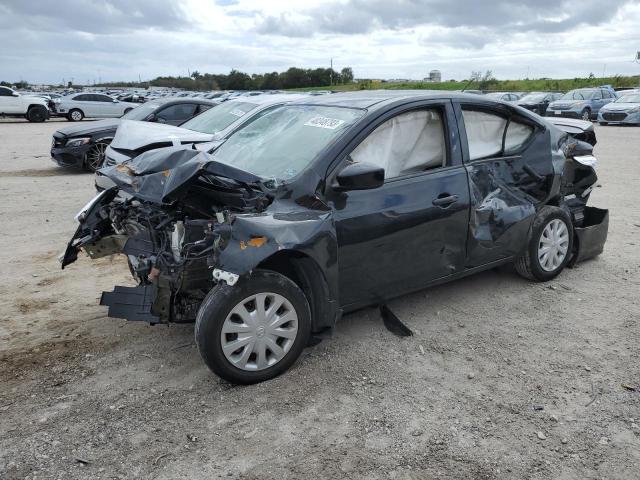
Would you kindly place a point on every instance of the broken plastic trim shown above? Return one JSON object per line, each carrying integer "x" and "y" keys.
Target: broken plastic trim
{"x": 393, "y": 323}
{"x": 222, "y": 276}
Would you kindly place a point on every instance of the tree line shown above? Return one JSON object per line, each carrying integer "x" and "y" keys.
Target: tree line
{"x": 236, "y": 80}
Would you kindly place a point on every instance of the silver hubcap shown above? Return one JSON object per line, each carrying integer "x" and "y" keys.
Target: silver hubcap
{"x": 95, "y": 156}
{"x": 585, "y": 115}
{"x": 259, "y": 331}
{"x": 553, "y": 245}
{"x": 76, "y": 115}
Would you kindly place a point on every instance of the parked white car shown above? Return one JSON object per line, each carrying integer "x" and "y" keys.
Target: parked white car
{"x": 94, "y": 105}
{"x": 14, "y": 104}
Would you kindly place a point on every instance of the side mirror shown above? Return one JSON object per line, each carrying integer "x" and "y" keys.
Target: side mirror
{"x": 359, "y": 176}
{"x": 152, "y": 118}
{"x": 115, "y": 101}
{"x": 15, "y": 94}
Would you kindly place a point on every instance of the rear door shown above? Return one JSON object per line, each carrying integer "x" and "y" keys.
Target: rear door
{"x": 508, "y": 161}
{"x": 104, "y": 106}
{"x": 411, "y": 230}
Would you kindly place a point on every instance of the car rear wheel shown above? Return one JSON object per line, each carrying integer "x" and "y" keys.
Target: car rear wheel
{"x": 37, "y": 114}
{"x": 586, "y": 114}
{"x": 254, "y": 330}
{"x": 75, "y": 115}
{"x": 550, "y": 246}
{"x": 95, "y": 156}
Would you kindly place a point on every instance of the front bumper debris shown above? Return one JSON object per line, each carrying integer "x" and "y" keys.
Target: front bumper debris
{"x": 589, "y": 239}
{"x": 131, "y": 303}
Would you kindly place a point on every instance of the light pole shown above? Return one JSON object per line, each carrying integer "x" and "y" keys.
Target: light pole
{"x": 637, "y": 60}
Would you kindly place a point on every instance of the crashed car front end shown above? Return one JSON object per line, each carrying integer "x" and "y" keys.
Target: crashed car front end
{"x": 186, "y": 223}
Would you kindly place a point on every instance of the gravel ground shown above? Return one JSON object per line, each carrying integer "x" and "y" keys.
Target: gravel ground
{"x": 503, "y": 379}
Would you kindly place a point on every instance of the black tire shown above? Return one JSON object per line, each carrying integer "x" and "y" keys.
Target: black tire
{"x": 586, "y": 114}
{"x": 77, "y": 113}
{"x": 528, "y": 264}
{"x": 222, "y": 299}
{"x": 37, "y": 114}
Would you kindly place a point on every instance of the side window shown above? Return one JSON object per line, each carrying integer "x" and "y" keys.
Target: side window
{"x": 181, "y": 111}
{"x": 606, "y": 94}
{"x": 407, "y": 143}
{"x": 597, "y": 95}
{"x": 102, "y": 98}
{"x": 203, "y": 107}
{"x": 81, "y": 98}
{"x": 490, "y": 134}
{"x": 5, "y": 92}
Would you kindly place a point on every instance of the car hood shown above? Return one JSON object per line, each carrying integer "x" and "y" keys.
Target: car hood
{"x": 133, "y": 135}
{"x": 88, "y": 128}
{"x": 162, "y": 176}
{"x": 619, "y": 107}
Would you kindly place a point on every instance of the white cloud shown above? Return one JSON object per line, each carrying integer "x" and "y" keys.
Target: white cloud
{"x": 379, "y": 39}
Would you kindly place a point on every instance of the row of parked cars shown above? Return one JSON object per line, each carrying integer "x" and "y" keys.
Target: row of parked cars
{"x": 265, "y": 218}
{"x": 603, "y": 104}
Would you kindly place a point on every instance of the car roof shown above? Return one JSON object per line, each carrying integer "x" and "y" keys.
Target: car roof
{"x": 372, "y": 99}
{"x": 166, "y": 100}
{"x": 266, "y": 99}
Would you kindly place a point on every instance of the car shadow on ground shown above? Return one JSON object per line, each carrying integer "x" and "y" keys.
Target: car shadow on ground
{"x": 44, "y": 172}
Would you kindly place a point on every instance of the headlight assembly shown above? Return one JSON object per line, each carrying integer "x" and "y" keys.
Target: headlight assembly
{"x": 77, "y": 142}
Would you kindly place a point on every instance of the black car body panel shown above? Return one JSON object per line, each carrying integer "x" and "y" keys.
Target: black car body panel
{"x": 104, "y": 130}
{"x": 346, "y": 249}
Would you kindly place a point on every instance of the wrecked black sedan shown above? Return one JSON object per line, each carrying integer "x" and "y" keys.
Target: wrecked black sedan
{"x": 330, "y": 204}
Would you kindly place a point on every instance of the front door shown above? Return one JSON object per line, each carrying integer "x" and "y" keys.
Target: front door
{"x": 411, "y": 230}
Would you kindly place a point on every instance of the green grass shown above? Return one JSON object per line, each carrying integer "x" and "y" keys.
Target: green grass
{"x": 495, "y": 85}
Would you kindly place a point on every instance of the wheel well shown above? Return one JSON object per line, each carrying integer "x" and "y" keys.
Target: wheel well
{"x": 305, "y": 272}
{"x": 33, "y": 105}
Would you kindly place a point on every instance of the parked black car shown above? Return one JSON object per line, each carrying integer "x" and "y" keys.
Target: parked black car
{"x": 538, "y": 102}
{"x": 332, "y": 203}
{"x": 84, "y": 145}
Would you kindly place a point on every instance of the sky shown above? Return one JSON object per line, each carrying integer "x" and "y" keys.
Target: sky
{"x": 126, "y": 40}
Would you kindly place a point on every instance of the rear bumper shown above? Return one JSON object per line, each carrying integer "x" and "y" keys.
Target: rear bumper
{"x": 589, "y": 239}
{"x": 70, "y": 156}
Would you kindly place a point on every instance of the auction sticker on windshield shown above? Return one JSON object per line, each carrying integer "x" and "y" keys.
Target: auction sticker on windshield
{"x": 324, "y": 122}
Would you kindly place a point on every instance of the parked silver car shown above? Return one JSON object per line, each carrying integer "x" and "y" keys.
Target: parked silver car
{"x": 77, "y": 106}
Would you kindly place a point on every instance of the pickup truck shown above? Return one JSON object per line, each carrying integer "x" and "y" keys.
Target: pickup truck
{"x": 14, "y": 104}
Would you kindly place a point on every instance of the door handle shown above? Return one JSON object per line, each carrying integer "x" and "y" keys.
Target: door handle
{"x": 445, "y": 201}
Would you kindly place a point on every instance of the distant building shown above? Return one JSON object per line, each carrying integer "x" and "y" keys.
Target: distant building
{"x": 435, "y": 76}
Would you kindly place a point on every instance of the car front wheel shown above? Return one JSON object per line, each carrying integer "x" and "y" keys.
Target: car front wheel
{"x": 550, "y": 246}
{"x": 255, "y": 330}
{"x": 75, "y": 115}
{"x": 586, "y": 114}
{"x": 95, "y": 156}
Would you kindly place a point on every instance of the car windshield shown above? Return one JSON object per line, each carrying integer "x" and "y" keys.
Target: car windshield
{"x": 629, "y": 98}
{"x": 579, "y": 95}
{"x": 141, "y": 112}
{"x": 533, "y": 97}
{"x": 282, "y": 141}
{"x": 218, "y": 118}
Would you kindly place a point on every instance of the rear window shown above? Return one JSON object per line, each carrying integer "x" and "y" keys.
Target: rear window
{"x": 490, "y": 135}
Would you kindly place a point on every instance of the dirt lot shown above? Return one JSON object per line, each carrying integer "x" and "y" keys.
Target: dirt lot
{"x": 503, "y": 379}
